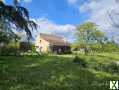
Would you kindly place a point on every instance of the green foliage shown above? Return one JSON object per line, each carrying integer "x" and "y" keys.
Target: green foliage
{"x": 51, "y": 73}
{"x": 91, "y": 39}
{"x": 97, "y": 47}
{"x": 8, "y": 44}
{"x": 88, "y": 35}
{"x": 10, "y": 50}
{"x": 4, "y": 37}
{"x": 80, "y": 61}
{"x": 18, "y": 16}
{"x": 13, "y": 17}
{"x": 111, "y": 47}
{"x": 112, "y": 67}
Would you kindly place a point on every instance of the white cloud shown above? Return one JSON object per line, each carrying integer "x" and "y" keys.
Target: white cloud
{"x": 47, "y": 26}
{"x": 27, "y": 1}
{"x": 99, "y": 13}
{"x": 72, "y": 1}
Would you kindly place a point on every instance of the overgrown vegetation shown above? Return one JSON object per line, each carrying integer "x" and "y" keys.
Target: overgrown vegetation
{"x": 79, "y": 61}
{"x": 111, "y": 67}
{"x": 22, "y": 68}
{"x": 55, "y": 73}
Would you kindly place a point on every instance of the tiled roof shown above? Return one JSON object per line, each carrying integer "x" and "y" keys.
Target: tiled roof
{"x": 54, "y": 40}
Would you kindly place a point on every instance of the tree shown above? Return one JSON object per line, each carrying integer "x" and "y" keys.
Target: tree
{"x": 4, "y": 38}
{"x": 88, "y": 34}
{"x": 111, "y": 46}
{"x": 17, "y": 17}
{"x": 13, "y": 17}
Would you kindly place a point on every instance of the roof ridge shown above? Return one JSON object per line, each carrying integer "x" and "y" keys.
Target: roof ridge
{"x": 51, "y": 35}
{"x": 54, "y": 39}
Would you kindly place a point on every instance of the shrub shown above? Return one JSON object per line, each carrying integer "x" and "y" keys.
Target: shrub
{"x": 80, "y": 61}
{"x": 9, "y": 50}
{"x": 3, "y": 50}
{"x": 111, "y": 67}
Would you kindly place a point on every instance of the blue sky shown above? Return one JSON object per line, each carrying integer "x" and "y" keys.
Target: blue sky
{"x": 59, "y": 11}
{"x": 61, "y": 16}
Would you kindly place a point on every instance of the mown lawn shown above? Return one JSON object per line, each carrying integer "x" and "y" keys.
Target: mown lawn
{"x": 54, "y": 73}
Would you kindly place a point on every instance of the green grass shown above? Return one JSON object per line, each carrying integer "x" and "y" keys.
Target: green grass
{"x": 53, "y": 73}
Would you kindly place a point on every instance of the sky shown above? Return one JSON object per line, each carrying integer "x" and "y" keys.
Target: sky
{"x": 61, "y": 16}
{"x": 59, "y": 11}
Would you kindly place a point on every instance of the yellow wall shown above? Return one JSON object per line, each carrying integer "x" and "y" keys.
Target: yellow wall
{"x": 40, "y": 42}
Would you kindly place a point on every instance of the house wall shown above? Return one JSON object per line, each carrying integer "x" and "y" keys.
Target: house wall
{"x": 45, "y": 47}
{"x": 42, "y": 45}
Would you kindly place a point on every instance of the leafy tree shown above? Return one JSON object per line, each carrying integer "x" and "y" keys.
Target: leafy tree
{"x": 4, "y": 38}
{"x": 17, "y": 17}
{"x": 88, "y": 34}
{"x": 110, "y": 46}
{"x": 97, "y": 47}
{"x": 8, "y": 43}
{"x": 13, "y": 17}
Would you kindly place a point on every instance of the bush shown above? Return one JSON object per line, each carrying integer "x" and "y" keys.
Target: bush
{"x": 112, "y": 67}
{"x": 5, "y": 51}
{"x": 80, "y": 61}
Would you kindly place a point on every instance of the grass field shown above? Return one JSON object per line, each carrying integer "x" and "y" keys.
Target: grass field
{"x": 54, "y": 73}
